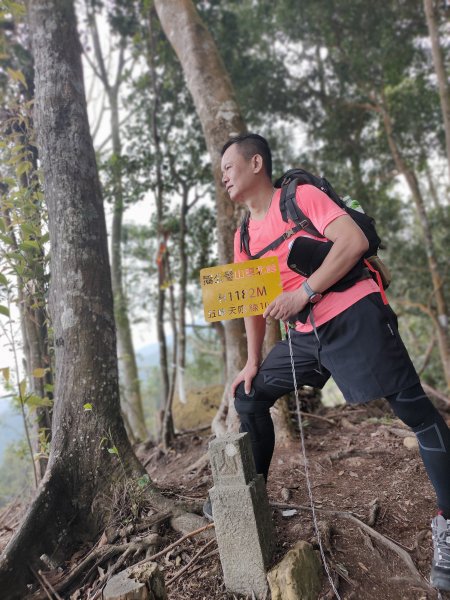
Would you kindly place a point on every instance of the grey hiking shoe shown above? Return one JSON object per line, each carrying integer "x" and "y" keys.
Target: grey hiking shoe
{"x": 207, "y": 510}
{"x": 440, "y": 570}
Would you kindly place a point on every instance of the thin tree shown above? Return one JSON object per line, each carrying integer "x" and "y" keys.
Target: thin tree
{"x": 439, "y": 67}
{"x": 131, "y": 400}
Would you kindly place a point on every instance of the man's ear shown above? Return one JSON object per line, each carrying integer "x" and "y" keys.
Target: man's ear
{"x": 257, "y": 163}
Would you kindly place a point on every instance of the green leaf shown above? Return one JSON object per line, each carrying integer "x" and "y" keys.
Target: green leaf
{"x": 144, "y": 480}
{"x": 24, "y": 167}
{"x": 23, "y": 388}
{"x": 30, "y": 245}
{"x": 4, "y": 310}
{"x": 6, "y": 373}
{"x": 34, "y": 401}
{"x": 39, "y": 373}
{"x": 17, "y": 76}
{"x": 3, "y": 279}
{"x": 113, "y": 450}
{"x": 87, "y": 406}
{"x": 28, "y": 229}
{"x": 48, "y": 387}
{"x": 6, "y": 239}
{"x": 2, "y": 225}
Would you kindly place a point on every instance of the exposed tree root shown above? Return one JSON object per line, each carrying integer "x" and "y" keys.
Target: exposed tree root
{"x": 104, "y": 553}
{"x": 199, "y": 464}
{"x": 402, "y": 554}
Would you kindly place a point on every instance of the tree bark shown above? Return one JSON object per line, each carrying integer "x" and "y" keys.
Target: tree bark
{"x": 284, "y": 430}
{"x": 220, "y": 117}
{"x": 90, "y": 451}
{"x": 439, "y": 67}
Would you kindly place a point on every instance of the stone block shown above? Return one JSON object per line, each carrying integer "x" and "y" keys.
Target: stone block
{"x": 298, "y": 576}
{"x": 144, "y": 582}
{"x": 232, "y": 460}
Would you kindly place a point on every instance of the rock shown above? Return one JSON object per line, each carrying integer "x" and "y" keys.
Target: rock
{"x": 285, "y": 494}
{"x": 411, "y": 442}
{"x": 298, "y": 576}
{"x": 136, "y": 583}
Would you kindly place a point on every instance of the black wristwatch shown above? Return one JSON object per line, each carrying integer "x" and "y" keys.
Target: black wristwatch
{"x": 313, "y": 296}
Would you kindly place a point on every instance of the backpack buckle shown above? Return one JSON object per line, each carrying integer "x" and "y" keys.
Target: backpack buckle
{"x": 287, "y": 234}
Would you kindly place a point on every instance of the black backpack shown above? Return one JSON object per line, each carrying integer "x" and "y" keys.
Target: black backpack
{"x": 290, "y": 210}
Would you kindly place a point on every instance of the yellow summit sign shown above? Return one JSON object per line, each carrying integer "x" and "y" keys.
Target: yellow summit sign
{"x": 241, "y": 289}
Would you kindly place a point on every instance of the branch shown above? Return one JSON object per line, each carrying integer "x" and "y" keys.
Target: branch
{"x": 191, "y": 562}
{"x": 434, "y": 392}
{"x": 175, "y": 544}
{"x": 98, "y": 48}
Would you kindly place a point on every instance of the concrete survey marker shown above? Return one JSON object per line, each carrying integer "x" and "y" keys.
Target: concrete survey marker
{"x": 242, "y": 516}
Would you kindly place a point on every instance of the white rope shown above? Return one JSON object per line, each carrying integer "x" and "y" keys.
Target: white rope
{"x": 305, "y": 460}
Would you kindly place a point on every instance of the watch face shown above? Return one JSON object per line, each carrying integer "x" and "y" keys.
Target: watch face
{"x": 315, "y": 298}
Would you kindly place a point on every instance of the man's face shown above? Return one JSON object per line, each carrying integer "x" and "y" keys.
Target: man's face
{"x": 238, "y": 174}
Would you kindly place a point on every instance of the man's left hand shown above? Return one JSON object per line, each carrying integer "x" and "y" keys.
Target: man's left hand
{"x": 287, "y": 305}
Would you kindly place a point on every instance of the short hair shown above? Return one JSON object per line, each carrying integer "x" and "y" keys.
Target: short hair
{"x": 250, "y": 144}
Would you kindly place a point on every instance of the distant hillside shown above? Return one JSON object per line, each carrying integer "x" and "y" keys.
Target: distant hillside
{"x": 11, "y": 428}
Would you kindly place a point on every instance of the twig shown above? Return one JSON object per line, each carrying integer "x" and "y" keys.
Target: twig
{"x": 313, "y": 416}
{"x": 375, "y": 534}
{"x": 175, "y": 544}
{"x": 11, "y": 506}
{"x": 191, "y": 562}
{"x": 199, "y": 464}
{"x": 195, "y": 430}
{"x": 433, "y": 392}
{"x": 49, "y": 585}
{"x": 356, "y": 452}
{"x": 41, "y": 583}
{"x": 133, "y": 529}
{"x": 99, "y": 555}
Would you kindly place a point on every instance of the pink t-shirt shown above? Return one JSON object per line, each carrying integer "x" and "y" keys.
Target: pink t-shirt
{"x": 321, "y": 210}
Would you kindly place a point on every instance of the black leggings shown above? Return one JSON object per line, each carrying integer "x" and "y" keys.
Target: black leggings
{"x": 412, "y": 406}
{"x": 415, "y": 409}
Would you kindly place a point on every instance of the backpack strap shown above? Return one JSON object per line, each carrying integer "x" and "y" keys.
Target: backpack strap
{"x": 291, "y": 210}
{"x": 245, "y": 239}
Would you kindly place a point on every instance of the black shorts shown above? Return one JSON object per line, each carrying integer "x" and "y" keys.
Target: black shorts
{"x": 360, "y": 348}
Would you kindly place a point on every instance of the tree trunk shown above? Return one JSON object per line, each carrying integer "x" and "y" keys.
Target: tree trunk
{"x": 284, "y": 430}
{"x": 166, "y": 432}
{"x": 439, "y": 67}
{"x": 441, "y": 318}
{"x": 131, "y": 398}
{"x": 181, "y": 353}
{"x": 220, "y": 117}
{"x": 90, "y": 450}
{"x": 168, "y": 429}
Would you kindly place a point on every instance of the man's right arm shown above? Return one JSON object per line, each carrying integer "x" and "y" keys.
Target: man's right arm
{"x": 255, "y": 328}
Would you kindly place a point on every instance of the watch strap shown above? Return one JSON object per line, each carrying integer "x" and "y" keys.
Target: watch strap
{"x": 309, "y": 291}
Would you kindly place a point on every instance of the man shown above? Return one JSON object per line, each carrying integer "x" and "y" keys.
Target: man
{"x": 352, "y": 335}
